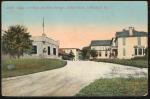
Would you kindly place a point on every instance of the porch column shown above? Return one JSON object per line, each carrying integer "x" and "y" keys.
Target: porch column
{"x": 137, "y": 51}
{"x": 143, "y": 51}
{"x": 110, "y": 52}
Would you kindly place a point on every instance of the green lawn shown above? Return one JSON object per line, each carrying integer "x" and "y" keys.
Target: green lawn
{"x": 116, "y": 87}
{"x": 28, "y": 66}
{"x": 139, "y": 62}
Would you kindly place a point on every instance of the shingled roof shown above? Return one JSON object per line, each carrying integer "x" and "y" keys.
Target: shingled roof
{"x": 100, "y": 42}
{"x": 125, "y": 33}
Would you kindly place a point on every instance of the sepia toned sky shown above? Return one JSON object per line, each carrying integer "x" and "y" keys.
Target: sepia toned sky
{"x": 75, "y": 23}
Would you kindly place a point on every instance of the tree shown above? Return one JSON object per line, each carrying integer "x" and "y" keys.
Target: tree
{"x": 93, "y": 53}
{"x": 16, "y": 41}
{"x": 66, "y": 56}
{"x": 71, "y": 54}
{"x": 85, "y": 52}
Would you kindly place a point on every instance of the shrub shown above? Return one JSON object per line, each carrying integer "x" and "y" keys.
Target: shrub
{"x": 137, "y": 62}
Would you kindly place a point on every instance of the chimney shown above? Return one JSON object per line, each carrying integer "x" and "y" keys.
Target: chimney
{"x": 131, "y": 30}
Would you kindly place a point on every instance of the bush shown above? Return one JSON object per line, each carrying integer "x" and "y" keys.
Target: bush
{"x": 66, "y": 57}
{"x": 140, "y": 58}
{"x": 137, "y": 62}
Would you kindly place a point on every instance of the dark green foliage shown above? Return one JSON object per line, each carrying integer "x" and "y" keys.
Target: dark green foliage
{"x": 71, "y": 55}
{"x": 137, "y": 62}
{"x": 93, "y": 53}
{"x": 16, "y": 41}
{"x": 65, "y": 57}
{"x": 85, "y": 52}
{"x": 146, "y": 52}
{"x": 116, "y": 87}
{"x": 140, "y": 58}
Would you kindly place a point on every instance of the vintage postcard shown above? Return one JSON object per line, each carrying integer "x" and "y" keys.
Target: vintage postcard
{"x": 74, "y": 48}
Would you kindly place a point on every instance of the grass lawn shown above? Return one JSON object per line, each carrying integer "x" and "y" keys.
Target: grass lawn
{"x": 139, "y": 62}
{"x": 116, "y": 87}
{"x": 28, "y": 66}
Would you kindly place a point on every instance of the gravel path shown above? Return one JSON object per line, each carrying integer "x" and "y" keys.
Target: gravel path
{"x": 66, "y": 81}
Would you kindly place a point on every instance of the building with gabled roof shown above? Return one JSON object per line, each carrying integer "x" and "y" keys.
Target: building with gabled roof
{"x": 131, "y": 43}
{"x": 126, "y": 44}
{"x": 102, "y": 47}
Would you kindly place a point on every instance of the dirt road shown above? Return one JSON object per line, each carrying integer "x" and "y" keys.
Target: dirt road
{"x": 66, "y": 81}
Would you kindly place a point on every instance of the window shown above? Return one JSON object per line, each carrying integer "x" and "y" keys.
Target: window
{"x": 124, "y": 52}
{"x": 48, "y": 50}
{"x": 106, "y": 53}
{"x": 139, "y": 40}
{"x": 135, "y": 50}
{"x": 34, "y": 49}
{"x": 93, "y": 48}
{"x": 54, "y": 51}
{"x": 140, "y": 51}
{"x": 124, "y": 41}
{"x": 100, "y": 54}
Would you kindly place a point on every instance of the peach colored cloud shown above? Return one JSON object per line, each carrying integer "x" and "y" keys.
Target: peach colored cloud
{"x": 78, "y": 36}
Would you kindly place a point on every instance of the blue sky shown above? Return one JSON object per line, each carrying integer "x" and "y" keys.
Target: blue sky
{"x": 116, "y": 13}
{"x": 76, "y": 23}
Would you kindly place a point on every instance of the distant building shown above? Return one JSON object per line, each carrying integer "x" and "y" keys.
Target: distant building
{"x": 44, "y": 46}
{"x": 75, "y": 51}
{"x": 126, "y": 44}
{"x": 102, "y": 47}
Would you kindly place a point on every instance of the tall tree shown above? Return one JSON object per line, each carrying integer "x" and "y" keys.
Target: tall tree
{"x": 85, "y": 52}
{"x": 16, "y": 41}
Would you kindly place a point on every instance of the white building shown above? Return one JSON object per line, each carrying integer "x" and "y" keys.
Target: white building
{"x": 44, "y": 47}
{"x": 102, "y": 47}
{"x": 126, "y": 44}
{"x": 75, "y": 51}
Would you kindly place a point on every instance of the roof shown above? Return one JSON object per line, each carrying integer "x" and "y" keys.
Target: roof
{"x": 125, "y": 33}
{"x": 61, "y": 51}
{"x": 44, "y": 38}
{"x": 69, "y": 48}
{"x": 100, "y": 42}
